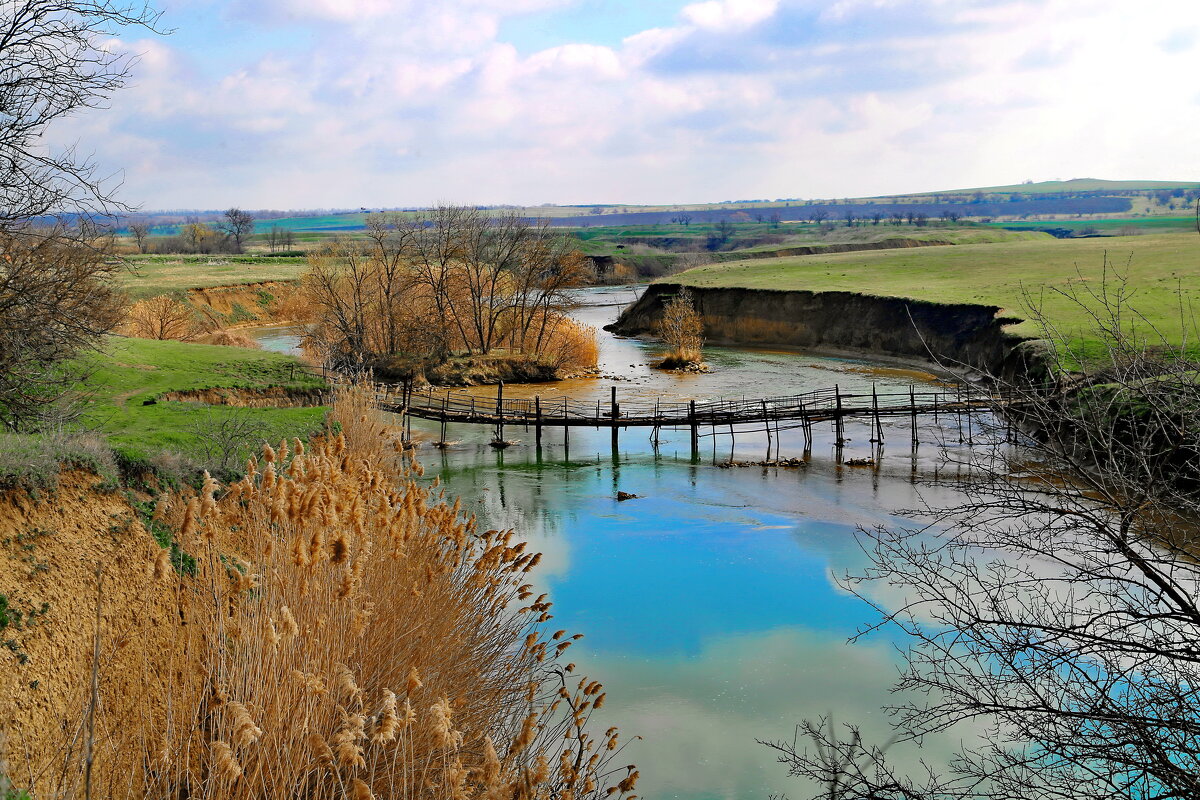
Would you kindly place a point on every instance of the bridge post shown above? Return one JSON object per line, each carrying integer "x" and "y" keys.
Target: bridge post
{"x": 875, "y": 411}
{"x": 566, "y": 434}
{"x": 537, "y": 424}
{"x": 806, "y": 425}
{"x": 767, "y": 425}
{"x": 444, "y": 399}
{"x": 695, "y": 430}
{"x": 500, "y": 412}
{"x": 958, "y": 410}
{"x": 615, "y": 413}
{"x": 912, "y": 403}
{"x": 838, "y": 430}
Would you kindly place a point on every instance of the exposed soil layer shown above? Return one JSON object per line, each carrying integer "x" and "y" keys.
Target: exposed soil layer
{"x": 246, "y": 303}
{"x": 955, "y": 335}
{"x": 273, "y": 397}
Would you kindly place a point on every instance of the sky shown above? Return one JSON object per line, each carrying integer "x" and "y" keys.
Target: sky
{"x": 294, "y": 104}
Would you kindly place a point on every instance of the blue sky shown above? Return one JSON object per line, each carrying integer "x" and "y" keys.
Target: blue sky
{"x": 347, "y": 103}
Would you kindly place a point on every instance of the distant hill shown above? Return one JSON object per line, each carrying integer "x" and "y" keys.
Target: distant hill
{"x": 1065, "y": 187}
{"x": 1014, "y": 202}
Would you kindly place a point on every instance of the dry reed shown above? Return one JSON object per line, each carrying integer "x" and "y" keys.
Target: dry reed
{"x": 350, "y": 634}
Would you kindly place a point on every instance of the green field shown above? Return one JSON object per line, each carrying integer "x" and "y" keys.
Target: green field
{"x": 153, "y": 275}
{"x": 131, "y": 371}
{"x": 1110, "y": 226}
{"x": 1160, "y": 268}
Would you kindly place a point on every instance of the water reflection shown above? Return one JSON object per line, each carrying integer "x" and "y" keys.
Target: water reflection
{"x": 709, "y": 604}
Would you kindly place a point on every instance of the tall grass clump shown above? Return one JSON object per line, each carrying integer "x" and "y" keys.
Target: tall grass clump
{"x": 570, "y": 346}
{"x": 351, "y": 634}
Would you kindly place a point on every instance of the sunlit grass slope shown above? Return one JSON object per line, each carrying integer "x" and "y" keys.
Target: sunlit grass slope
{"x": 132, "y": 371}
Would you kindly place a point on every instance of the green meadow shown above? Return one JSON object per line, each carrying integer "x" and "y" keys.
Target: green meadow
{"x": 1110, "y": 226}
{"x": 130, "y": 372}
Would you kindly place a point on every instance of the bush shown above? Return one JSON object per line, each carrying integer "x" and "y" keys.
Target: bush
{"x": 33, "y": 461}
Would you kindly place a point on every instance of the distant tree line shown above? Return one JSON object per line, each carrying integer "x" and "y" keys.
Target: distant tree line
{"x": 826, "y": 211}
{"x": 227, "y": 234}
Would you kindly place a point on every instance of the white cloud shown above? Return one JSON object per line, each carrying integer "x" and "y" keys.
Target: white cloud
{"x": 742, "y": 98}
{"x": 724, "y": 15}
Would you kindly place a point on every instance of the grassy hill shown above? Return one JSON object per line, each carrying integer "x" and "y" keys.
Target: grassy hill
{"x": 1163, "y": 270}
{"x": 1073, "y": 185}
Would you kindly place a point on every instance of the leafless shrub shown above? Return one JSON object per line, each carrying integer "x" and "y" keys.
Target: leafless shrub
{"x": 224, "y": 437}
{"x": 164, "y": 317}
{"x": 1057, "y": 605}
{"x": 682, "y": 330}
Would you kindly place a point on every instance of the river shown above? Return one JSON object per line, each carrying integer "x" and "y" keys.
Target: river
{"x": 709, "y": 604}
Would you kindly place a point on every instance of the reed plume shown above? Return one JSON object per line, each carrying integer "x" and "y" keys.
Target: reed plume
{"x": 324, "y": 582}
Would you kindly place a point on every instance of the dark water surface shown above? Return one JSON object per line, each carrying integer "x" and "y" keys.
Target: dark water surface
{"x": 708, "y": 605}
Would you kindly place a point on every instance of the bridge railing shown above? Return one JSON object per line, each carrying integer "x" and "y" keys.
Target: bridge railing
{"x": 457, "y": 404}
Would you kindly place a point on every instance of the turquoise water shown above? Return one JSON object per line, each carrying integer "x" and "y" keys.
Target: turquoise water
{"x": 709, "y": 604}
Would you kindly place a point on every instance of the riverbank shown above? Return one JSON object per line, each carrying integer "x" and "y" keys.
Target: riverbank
{"x": 974, "y": 306}
{"x": 937, "y": 335}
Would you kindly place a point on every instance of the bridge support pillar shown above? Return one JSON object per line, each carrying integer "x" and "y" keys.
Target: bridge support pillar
{"x": 838, "y": 430}
{"x": 695, "y": 430}
{"x": 537, "y": 420}
{"x": 500, "y": 412}
{"x": 615, "y": 413}
{"x": 912, "y": 403}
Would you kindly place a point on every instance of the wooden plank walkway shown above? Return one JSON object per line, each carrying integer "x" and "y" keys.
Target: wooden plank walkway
{"x": 773, "y": 413}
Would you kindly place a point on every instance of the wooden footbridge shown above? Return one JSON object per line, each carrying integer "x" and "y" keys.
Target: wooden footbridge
{"x": 831, "y": 405}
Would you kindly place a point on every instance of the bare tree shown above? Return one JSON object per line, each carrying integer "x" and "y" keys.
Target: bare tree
{"x": 200, "y": 237}
{"x": 416, "y": 290}
{"x": 56, "y": 60}
{"x": 721, "y": 234}
{"x": 236, "y": 225}
{"x": 56, "y": 300}
{"x": 1058, "y": 607}
{"x": 56, "y": 295}
{"x": 164, "y": 317}
{"x": 140, "y": 231}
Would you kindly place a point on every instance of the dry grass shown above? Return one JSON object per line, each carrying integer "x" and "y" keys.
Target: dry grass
{"x": 350, "y": 634}
{"x": 227, "y": 338}
{"x": 569, "y": 346}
